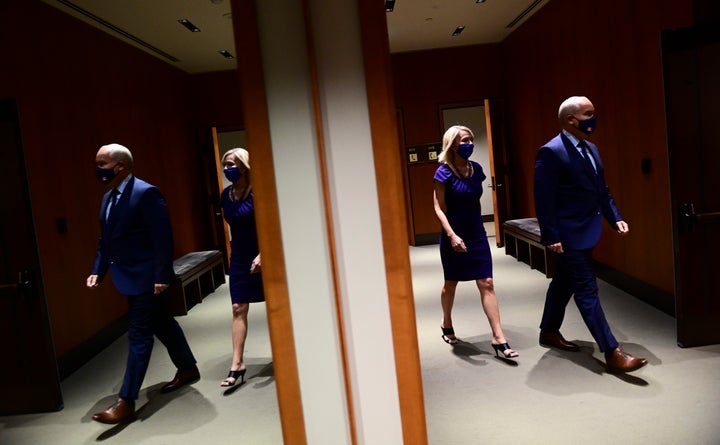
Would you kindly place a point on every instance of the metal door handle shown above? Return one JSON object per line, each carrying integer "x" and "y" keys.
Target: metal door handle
{"x": 688, "y": 217}
{"x": 23, "y": 286}
{"x": 707, "y": 216}
{"x": 494, "y": 184}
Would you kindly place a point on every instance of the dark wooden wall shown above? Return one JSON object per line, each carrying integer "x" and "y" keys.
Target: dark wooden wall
{"x": 77, "y": 89}
{"x": 425, "y": 80}
{"x": 609, "y": 51}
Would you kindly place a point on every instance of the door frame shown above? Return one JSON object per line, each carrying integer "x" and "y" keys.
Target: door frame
{"x": 689, "y": 146}
{"x": 497, "y": 153}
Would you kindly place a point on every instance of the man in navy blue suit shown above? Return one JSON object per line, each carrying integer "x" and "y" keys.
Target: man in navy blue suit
{"x": 571, "y": 198}
{"x": 136, "y": 245}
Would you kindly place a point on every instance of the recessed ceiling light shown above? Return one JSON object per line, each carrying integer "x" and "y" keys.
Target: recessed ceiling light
{"x": 458, "y": 30}
{"x": 188, "y": 24}
{"x": 479, "y": 1}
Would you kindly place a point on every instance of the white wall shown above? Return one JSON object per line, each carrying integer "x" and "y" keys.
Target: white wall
{"x": 356, "y": 255}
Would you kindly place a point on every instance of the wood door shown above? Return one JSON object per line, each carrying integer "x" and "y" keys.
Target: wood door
{"x": 495, "y": 122}
{"x": 691, "y": 59}
{"x": 220, "y": 228}
{"x": 29, "y": 380}
{"x": 425, "y": 223}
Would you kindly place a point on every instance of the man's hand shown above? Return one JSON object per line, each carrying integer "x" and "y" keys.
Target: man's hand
{"x": 92, "y": 281}
{"x": 557, "y": 247}
{"x": 160, "y": 287}
{"x": 622, "y": 227}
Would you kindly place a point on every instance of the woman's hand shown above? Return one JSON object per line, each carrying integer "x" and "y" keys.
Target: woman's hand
{"x": 255, "y": 266}
{"x": 458, "y": 245}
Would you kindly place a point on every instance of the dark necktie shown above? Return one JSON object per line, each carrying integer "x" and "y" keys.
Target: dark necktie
{"x": 112, "y": 202}
{"x": 586, "y": 155}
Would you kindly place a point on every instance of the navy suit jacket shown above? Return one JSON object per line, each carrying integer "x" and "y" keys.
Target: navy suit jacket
{"x": 570, "y": 197}
{"x": 136, "y": 243}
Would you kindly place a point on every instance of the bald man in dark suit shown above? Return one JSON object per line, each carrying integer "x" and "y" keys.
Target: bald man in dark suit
{"x": 571, "y": 198}
{"x": 137, "y": 247}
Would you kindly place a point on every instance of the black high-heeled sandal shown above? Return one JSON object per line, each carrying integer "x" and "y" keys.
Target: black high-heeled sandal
{"x": 506, "y": 350}
{"x": 234, "y": 375}
{"x": 446, "y": 339}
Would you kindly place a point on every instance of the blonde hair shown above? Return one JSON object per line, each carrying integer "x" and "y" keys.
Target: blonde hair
{"x": 449, "y": 139}
{"x": 240, "y": 154}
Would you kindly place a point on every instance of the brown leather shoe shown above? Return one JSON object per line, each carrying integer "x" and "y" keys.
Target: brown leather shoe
{"x": 619, "y": 361}
{"x": 182, "y": 377}
{"x": 556, "y": 340}
{"x": 120, "y": 410}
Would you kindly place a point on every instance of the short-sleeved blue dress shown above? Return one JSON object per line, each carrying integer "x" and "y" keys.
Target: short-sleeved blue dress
{"x": 462, "y": 199}
{"x": 240, "y": 216}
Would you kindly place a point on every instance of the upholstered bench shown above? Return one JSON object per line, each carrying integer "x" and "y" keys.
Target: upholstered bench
{"x": 522, "y": 241}
{"x": 197, "y": 274}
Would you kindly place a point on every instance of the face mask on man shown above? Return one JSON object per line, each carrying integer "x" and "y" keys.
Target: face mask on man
{"x": 587, "y": 126}
{"x": 105, "y": 175}
{"x": 465, "y": 150}
{"x": 233, "y": 174}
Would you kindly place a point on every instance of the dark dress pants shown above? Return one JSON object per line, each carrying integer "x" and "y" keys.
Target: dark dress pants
{"x": 149, "y": 315}
{"x": 575, "y": 275}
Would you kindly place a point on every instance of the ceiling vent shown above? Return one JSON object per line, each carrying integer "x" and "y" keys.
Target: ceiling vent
{"x": 117, "y": 30}
{"x": 522, "y": 15}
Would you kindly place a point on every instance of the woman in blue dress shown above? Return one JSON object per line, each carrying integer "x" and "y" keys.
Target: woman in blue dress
{"x": 245, "y": 281}
{"x": 464, "y": 248}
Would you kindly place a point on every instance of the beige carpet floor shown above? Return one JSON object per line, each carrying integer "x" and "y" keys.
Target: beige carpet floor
{"x": 471, "y": 397}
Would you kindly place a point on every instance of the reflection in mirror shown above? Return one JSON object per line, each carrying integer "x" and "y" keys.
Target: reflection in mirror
{"x": 122, "y": 93}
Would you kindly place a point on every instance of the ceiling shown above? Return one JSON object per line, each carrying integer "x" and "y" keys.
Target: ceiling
{"x": 152, "y": 25}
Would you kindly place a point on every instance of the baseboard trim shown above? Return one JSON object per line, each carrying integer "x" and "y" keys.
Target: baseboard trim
{"x": 661, "y": 300}
{"x": 424, "y": 239}
{"x": 80, "y": 355}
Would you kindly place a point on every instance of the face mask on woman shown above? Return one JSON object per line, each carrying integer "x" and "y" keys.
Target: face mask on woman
{"x": 465, "y": 150}
{"x": 233, "y": 174}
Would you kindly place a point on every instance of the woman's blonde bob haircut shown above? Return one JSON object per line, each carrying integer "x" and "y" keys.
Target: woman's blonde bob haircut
{"x": 450, "y": 139}
{"x": 240, "y": 154}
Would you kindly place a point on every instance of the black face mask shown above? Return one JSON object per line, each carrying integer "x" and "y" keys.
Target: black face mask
{"x": 105, "y": 175}
{"x": 587, "y": 126}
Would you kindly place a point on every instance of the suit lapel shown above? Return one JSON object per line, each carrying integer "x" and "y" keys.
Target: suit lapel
{"x": 579, "y": 164}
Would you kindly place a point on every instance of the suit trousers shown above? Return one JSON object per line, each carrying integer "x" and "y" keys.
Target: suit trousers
{"x": 575, "y": 276}
{"x": 149, "y": 315}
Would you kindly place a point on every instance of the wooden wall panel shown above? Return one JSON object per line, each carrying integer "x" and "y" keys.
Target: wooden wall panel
{"x": 564, "y": 50}
{"x": 77, "y": 89}
{"x": 420, "y": 178}
{"x": 425, "y": 79}
{"x": 217, "y": 99}
{"x": 570, "y": 47}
